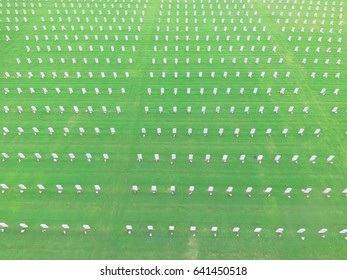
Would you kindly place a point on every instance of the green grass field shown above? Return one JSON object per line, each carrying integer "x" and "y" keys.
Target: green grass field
{"x": 116, "y": 206}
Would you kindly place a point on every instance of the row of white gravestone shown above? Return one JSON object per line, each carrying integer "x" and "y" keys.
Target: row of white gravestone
{"x": 154, "y": 61}
{"x": 232, "y": 109}
{"x": 168, "y": 16}
{"x": 73, "y": 61}
{"x": 176, "y": 28}
{"x": 176, "y": 48}
{"x": 44, "y": 227}
{"x": 9, "y": 29}
{"x": 218, "y": 9}
{"x": 177, "y": 37}
{"x": 316, "y": 61}
{"x": 303, "y": 30}
{"x": 246, "y": 61}
{"x": 306, "y": 22}
{"x": 98, "y": 28}
{"x": 62, "y": 110}
{"x": 187, "y": 48}
{"x": 202, "y": 3}
{"x": 164, "y": 74}
{"x": 162, "y": 91}
{"x": 236, "y": 231}
{"x": 236, "y": 132}
{"x": 69, "y": 90}
{"x": 116, "y": 4}
{"x": 312, "y": 30}
{"x": 103, "y": 19}
{"x": 200, "y": 11}
{"x": 320, "y": 39}
{"x": 137, "y": 28}
{"x": 213, "y": 8}
{"x": 172, "y": 189}
{"x": 132, "y": 3}
{"x": 310, "y": 2}
{"x": 234, "y": 60}
{"x": 243, "y": 2}
{"x": 192, "y": 229}
{"x": 70, "y": 4}
{"x": 212, "y": 11}
{"x": 240, "y": 37}
{"x": 298, "y": 15}
{"x": 112, "y": 131}
{"x": 77, "y": 5}
{"x": 249, "y": 191}
{"x": 80, "y": 48}
{"x": 54, "y": 156}
{"x": 242, "y": 158}
{"x": 166, "y": 36}
{"x": 66, "y": 131}
{"x": 91, "y": 28}
{"x": 175, "y": 61}
{"x": 216, "y": 28}
{"x": 240, "y": 49}
{"x": 102, "y": 5}
{"x": 317, "y": 6}
{"x": 165, "y": 62}
{"x": 237, "y": 74}
{"x": 169, "y": 2}
{"x": 41, "y": 188}
{"x": 255, "y": 28}
{"x": 227, "y": 90}
{"x": 118, "y": 110}
{"x": 95, "y": 37}
{"x": 66, "y": 75}
{"x": 120, "y": 10}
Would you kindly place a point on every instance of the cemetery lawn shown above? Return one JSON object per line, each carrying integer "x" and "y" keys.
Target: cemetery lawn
{"x": 116, "y": 206}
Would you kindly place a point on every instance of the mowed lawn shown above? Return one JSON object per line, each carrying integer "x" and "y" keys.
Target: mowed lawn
{"x": 116, "y": 205}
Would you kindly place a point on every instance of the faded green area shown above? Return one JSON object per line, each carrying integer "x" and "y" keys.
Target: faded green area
{"x": 116, "y": 206}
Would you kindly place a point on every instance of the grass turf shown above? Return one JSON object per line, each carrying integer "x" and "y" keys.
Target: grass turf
{"x": 116, "y": 206}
